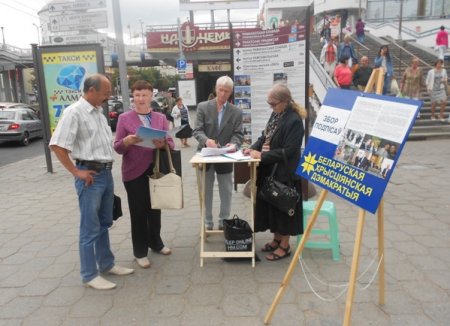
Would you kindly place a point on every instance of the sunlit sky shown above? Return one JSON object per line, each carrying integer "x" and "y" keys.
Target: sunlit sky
{"x": 18, "y": 16}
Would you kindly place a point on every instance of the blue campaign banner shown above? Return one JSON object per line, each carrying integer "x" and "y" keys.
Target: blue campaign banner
{"x": 355, "y": 143}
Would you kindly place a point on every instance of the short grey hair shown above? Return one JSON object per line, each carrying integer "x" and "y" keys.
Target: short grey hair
{"x": 224, "y": 81}
{"x": 93, "y": 81}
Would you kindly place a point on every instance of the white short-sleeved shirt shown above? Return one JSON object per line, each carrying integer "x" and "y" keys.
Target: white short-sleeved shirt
{"x": 83, "y": 130}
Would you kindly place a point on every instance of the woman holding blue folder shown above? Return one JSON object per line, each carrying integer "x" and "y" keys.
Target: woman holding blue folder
{"x": 137, "y": 165}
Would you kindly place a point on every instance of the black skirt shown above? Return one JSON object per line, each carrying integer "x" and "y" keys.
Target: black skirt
{"x": 186, "y": 132}
{"x": 268, "y": 217}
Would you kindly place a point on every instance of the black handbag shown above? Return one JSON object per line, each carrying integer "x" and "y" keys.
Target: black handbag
{"x": 238, "y": 234}
{"x": 117, "y": 207}
{"x": 283, "y": 197}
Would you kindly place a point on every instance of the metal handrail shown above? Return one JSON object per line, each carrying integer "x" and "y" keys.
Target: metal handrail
{"x": 360, "y": 45}
{"x": 411, "y": 54}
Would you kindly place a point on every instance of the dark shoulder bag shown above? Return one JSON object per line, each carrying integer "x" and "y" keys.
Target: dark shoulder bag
{"x": 284, "y": 197}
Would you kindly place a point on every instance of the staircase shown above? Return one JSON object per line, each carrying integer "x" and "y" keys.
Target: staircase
{"x": 401, "y": 54}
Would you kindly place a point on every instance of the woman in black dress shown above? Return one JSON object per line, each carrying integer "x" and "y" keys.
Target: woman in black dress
{"x": 284, "y": 130}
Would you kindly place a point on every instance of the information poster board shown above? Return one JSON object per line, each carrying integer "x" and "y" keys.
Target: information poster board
{"x": 355, "y": 144}
{"x": 64, "y": 70}
{"x": 262, "y": 58}
{"x": 187, "y": 91}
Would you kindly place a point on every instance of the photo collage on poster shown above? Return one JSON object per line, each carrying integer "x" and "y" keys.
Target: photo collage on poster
{"x": 372, "y": 154}
{"x": 242, "y": 99}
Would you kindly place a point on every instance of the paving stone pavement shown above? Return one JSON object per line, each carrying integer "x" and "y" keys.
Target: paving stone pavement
{"x": 39, "y": 267}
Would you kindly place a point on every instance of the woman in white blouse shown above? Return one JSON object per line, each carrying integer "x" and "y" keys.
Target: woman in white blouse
{"x": 180, "y": 114}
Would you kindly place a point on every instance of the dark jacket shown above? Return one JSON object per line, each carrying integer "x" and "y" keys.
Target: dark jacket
{"x": 229, "y": 131}
{"x": 289, "y": 135}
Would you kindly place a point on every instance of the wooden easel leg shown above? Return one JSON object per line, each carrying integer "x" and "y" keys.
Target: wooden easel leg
{"x": 381, "y": 286}
{"x": 297, "y": 254}
{"x": 354, "y": 269}
{"x": 253, "y": 166}
{"x": 201, "y": 174}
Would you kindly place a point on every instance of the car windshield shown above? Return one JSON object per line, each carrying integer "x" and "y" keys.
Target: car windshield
{"x": 7, "y": 115}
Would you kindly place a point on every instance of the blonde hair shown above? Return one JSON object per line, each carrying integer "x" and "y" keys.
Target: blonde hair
{"x": 282, "y": 93}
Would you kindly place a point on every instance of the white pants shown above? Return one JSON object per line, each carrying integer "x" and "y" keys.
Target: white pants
{"x": 441, "y": 51}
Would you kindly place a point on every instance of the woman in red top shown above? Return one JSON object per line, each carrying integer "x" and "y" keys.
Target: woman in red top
{"x": 343, "y": 75}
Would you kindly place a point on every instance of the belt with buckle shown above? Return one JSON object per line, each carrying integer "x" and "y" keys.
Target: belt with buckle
{"x": 95, "y": 165}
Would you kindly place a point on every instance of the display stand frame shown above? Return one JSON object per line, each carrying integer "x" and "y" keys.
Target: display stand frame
{"x": 376, "y": 81}
{"x": 199, "y": 163}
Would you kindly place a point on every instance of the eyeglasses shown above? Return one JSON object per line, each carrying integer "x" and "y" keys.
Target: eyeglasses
{"x": 272, "y": 105}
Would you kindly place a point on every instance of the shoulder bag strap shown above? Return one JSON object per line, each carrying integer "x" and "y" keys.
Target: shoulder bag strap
{"x": 169, "y": 156}
{"x": 156, "y": 160}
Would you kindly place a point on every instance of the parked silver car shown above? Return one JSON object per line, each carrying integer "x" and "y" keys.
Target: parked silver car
{"x": 19, "y": 124}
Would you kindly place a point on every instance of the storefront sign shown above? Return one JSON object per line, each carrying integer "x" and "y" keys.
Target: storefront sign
{"x": 213, "y": 67}
{"x": 193, "y": 39}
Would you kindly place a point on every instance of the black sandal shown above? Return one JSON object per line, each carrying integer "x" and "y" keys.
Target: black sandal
{"x": 268, "y": 246}
{"x": 274, "y": 256}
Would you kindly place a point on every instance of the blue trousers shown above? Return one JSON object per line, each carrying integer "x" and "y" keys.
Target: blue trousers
{"x": 96, "y": 203}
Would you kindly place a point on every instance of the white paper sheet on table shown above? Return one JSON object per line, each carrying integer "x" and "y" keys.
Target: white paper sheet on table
{"x": 211, "y": 151}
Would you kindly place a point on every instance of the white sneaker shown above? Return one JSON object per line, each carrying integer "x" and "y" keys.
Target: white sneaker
{"x": 143, "y": 262}
{"x": 165, "y": 251}
{"x": 119, "y": 270}
{"x": 99, "y": 283}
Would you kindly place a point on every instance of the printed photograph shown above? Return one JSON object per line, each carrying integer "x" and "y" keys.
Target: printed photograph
{"x": 242, "y": 92}
{"x": 369, "y": 153}
{"x": 280, "y": 77}
{"x": 244, "y": 103}
{"x": 242, "y": 80}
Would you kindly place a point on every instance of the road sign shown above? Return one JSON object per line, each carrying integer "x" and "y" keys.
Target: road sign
{"x": 78, "y": 5}
{"x": 81, "y": 38}
{"x": 181, "y": 64}
{"x": 76, "y": 22}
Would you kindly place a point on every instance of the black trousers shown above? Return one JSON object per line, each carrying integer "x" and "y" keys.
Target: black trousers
{"x": 145, "y": 221}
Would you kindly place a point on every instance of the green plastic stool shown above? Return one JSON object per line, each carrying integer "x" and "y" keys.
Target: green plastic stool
{"x": 328, "y": 209}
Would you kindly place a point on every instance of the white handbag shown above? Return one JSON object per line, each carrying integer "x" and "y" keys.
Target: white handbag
{"x": 166, "y": 190}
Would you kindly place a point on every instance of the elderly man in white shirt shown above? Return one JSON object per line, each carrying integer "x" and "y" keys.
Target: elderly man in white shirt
{"x": 83, "y": 132}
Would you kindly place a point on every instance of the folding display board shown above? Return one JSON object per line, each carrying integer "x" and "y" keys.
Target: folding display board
{"x": 355, "y": 144}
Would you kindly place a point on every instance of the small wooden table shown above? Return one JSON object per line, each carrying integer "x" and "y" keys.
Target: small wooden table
{"x": 199, "y": 163}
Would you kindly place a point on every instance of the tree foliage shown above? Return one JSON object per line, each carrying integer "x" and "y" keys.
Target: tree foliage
{"x": 152, "y": 75}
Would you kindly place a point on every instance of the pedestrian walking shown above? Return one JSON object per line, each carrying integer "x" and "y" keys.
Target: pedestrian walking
{"x": 383, "y": 59}
{"x": 360, "y": 34}
{"x": 83, "y": 135}
{"x": 362, "y": 74}
{"x": 442, "y": 42}
{"x": 328, "y": 57}
{"x": 412, "y": 81}
{"x": 346, "y": 49}
{"x": 436, "y": 86}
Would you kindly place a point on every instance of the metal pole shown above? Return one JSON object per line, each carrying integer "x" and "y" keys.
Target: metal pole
{"x": 3, "y": 36}
{"x": 359, "y": 9}
{"x": 400, "y": 21}
{"x": 121, "y": 54}
{"x": 180, "y": 39}
{"x": 43, "y": 109}
{"x": 142, "y": 33}
{"x": 37, "y": 29}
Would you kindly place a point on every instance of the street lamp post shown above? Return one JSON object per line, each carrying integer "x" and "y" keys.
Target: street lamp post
{"x": 3, "y": 37}
{"x": 142, "y": 33}
{"x": 400, "y": 21}
{"x": 38, "y": 35}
